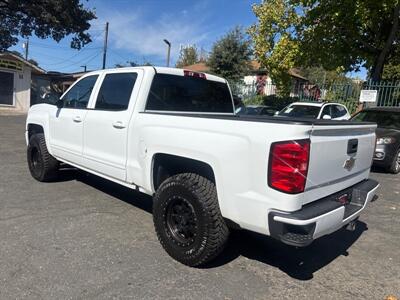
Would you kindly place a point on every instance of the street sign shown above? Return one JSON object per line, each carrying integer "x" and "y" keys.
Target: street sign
{"x": 368, "y": 95}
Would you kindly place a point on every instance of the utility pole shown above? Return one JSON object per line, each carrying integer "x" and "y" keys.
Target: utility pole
{"x": 26, "y": 46}
{"x": 168, "y": 50}
{"x": 105, "y": 46}
{"x": 84, "y": 68}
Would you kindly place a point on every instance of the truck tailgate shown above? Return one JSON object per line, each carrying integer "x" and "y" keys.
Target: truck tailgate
{"x": 339, "y": 154}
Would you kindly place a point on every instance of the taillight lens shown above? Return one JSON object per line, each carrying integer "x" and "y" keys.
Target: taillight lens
{"x": 288, "y": 166}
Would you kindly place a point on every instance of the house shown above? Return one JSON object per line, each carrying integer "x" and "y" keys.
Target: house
{"x": 16, "y": 75}
{"x": 50, "y": 86}
{"x": 258, "y": 81}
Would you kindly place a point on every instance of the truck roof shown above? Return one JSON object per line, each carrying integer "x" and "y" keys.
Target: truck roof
{"x": 160, "y": 70}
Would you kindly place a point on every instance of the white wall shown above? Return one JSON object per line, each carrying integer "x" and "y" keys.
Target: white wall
{"x": 22, "y": 90}
{"x": 250, "y": 81}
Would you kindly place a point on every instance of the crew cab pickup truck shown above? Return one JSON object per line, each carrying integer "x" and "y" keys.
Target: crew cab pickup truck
{"x": 173, "y": 134}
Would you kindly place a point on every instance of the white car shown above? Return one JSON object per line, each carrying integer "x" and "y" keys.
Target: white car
{"x": 316, "y": 110}
{"x": 173, "y": 134}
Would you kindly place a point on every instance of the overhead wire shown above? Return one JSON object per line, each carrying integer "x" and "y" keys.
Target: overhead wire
{"x": 70, "y": 60}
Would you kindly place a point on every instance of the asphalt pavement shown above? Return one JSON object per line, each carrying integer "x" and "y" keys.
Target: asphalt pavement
{"x": 85, "y": 238}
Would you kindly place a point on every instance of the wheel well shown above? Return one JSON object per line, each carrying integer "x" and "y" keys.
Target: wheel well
{"x": 34, "y": 129}
{"x": 167, "y": 165}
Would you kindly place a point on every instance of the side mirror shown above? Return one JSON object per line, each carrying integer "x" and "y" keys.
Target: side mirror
{"x": 326, "y": 117}
{"x": 60, "y": 104}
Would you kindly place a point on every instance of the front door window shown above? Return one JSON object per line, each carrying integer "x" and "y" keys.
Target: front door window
{"x": 78, "y": 96}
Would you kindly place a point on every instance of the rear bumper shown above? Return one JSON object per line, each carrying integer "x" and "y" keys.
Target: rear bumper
{"x": 321, "y": 217}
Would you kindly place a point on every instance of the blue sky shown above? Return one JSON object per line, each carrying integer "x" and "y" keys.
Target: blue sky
{"x": 137, "y": 29}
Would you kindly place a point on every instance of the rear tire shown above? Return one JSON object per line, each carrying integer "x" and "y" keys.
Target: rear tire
{"x": 187, "y": 219}
{"x": 395, "y": 166}
{"x": 42, "y": 166}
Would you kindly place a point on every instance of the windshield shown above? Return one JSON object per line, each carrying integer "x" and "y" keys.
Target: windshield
{"x": 386, "y": 119}
{"x": 300, "y": 111}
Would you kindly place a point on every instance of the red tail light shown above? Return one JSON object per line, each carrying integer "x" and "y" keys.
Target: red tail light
{"x": 194, "y": 74}
{"x": 288, "y": 166}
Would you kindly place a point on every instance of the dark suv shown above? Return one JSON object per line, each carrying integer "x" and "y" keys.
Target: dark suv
{"x": 387, "y": 151}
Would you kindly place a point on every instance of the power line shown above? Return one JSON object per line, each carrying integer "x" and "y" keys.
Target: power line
{"x": 82, "y": 62}
{"x": 60, "y": 47}
{"x": 44, "y": 45}
{"x": 113, "y": 51}
{"x": 68, "y": 61}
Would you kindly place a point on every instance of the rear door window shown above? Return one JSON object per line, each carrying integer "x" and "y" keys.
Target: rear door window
{"x": 116, "y": 91}
{"x": 189, "y": 94}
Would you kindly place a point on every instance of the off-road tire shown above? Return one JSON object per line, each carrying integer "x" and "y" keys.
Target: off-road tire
{"x": 394, "y": 168}
{"x": 211, "y": 231}
{"x": 42, "y": 166}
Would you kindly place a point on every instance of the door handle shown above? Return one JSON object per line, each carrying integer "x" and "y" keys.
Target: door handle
{"x": 77, "y": 119}
{"x": 118, "y": 125}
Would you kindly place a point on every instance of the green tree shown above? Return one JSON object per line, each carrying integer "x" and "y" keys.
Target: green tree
{"x": 230, "y": 56}
{"x": 391, "y": 70}
{"x": 345, "y": 34}
{"x": 44, "y": 18}
{"x": 318, "y": 75}
{"x": 188, "y": 56}
{"x": 17, "y": 53}
{"x": 33, "y": 62}
{"x": 131, "y": 63}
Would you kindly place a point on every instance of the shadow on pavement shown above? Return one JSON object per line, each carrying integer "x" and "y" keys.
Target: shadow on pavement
{"x": 299, "y": 263}
{"x": 113, "y": 189}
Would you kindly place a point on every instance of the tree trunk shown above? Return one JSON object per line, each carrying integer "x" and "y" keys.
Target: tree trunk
{"x": 377, "y": 69}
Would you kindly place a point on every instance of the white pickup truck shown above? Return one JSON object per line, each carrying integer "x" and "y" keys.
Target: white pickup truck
{"x": 173, "y": 134}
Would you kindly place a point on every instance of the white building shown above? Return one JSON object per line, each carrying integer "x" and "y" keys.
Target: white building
{"x": 258, "y": 80}
{"x": 15, "y": 82}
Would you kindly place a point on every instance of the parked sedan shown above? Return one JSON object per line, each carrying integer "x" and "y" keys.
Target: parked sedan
{"x": 315, "y": 110}
{"x": 387, "y": 151}
{"x": 256, "y": 110}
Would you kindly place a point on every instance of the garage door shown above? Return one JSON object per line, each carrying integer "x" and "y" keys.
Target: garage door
{"x": 6, "y": 88}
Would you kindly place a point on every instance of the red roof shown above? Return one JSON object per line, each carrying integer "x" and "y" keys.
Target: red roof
{"x": 256, "y": 66}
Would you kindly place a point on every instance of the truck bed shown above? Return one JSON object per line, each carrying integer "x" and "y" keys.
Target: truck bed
{"x": 264, "y": 119}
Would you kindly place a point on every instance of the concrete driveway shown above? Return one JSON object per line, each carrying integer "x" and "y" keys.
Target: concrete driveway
{"x": 86, "y": 238}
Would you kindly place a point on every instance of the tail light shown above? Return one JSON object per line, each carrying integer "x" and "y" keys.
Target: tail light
{"x": 194, "y": 74}
{"x": 288, "y": 166}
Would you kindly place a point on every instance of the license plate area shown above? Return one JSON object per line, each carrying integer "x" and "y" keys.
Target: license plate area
{"x": 344, "y": 198}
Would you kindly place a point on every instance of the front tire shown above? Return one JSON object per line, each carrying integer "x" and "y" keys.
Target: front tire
{"x": 395, "y": 166}
{"x": 42, "y": 166}
{"x": 187, "y": 219}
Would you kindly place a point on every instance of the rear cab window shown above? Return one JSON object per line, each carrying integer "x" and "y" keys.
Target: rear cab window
{"x": 188, "y": 94}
